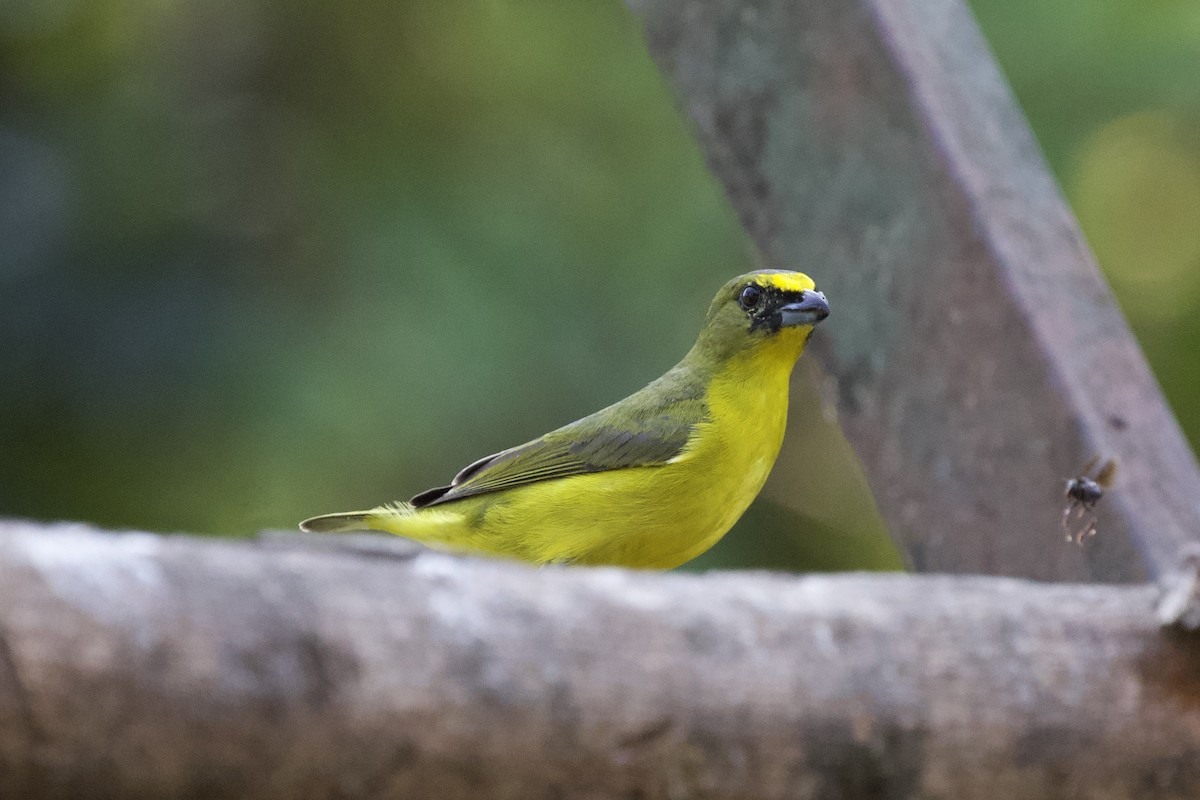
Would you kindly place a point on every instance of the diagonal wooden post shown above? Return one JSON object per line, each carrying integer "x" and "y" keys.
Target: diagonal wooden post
{"x": 980, "y": 357}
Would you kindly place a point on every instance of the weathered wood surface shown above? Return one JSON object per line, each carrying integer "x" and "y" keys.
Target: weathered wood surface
{"x": 137, "y": 666}
{"x": 980, "y": 357}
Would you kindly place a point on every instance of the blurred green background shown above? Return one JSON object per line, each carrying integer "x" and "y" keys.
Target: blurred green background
{"x": 264, "y": 260}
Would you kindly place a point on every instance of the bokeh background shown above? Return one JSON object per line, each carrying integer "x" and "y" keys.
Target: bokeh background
{"x": 265, "y": 260}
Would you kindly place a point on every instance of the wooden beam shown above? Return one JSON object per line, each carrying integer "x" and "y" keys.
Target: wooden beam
{"x": 138, "y": 666}
{"x": 980, "y": 357}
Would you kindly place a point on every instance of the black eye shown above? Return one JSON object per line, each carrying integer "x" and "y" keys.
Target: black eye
{"x": 750, "y": 298}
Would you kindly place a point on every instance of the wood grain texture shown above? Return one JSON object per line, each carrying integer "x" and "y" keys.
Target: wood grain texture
{"x": 134, "y": 666}
{"x": 980, "y": 357}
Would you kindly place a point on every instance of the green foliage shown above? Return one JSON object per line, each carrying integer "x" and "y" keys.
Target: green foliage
{"x": 260, "y": 261}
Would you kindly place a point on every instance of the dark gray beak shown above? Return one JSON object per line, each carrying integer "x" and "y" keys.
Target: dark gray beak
{"x": 809, "y": 310}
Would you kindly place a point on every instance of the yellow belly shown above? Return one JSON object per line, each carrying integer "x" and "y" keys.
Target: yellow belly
{"x": 654, "y": 517}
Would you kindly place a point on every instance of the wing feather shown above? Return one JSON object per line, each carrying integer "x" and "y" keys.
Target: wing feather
{"x": 646, "y": 429}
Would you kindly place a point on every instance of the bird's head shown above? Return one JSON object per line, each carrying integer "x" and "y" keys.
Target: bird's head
{"x": 773, "y": 309}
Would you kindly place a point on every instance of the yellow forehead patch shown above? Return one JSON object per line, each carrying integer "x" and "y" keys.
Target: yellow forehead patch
{"x": 785, "y": 281}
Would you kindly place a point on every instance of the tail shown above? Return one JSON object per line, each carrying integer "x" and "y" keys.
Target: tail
{"x": 444, "y": 530}
{"x": 337, "y": 523}
{"x": 374, "y": 520}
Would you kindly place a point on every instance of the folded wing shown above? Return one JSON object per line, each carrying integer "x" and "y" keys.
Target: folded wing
{"x": 646, "y": 429}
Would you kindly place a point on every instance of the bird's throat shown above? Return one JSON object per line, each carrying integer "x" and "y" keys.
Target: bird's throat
{"x": 748, "y": 394}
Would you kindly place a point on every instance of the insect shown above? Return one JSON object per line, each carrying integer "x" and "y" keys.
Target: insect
{"x": 1082, "y": 493}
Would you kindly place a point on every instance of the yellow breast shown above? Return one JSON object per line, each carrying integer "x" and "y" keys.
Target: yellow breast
{"x": 732, "y": 454}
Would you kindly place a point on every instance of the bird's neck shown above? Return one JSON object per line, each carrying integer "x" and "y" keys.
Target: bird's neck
{"x": 746, "y": 393}
{"x": 746, "y": 396}
{"x": 768, "y": 362}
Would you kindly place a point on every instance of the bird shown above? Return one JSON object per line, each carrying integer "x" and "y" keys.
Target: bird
{"x": 649, "y": 482}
